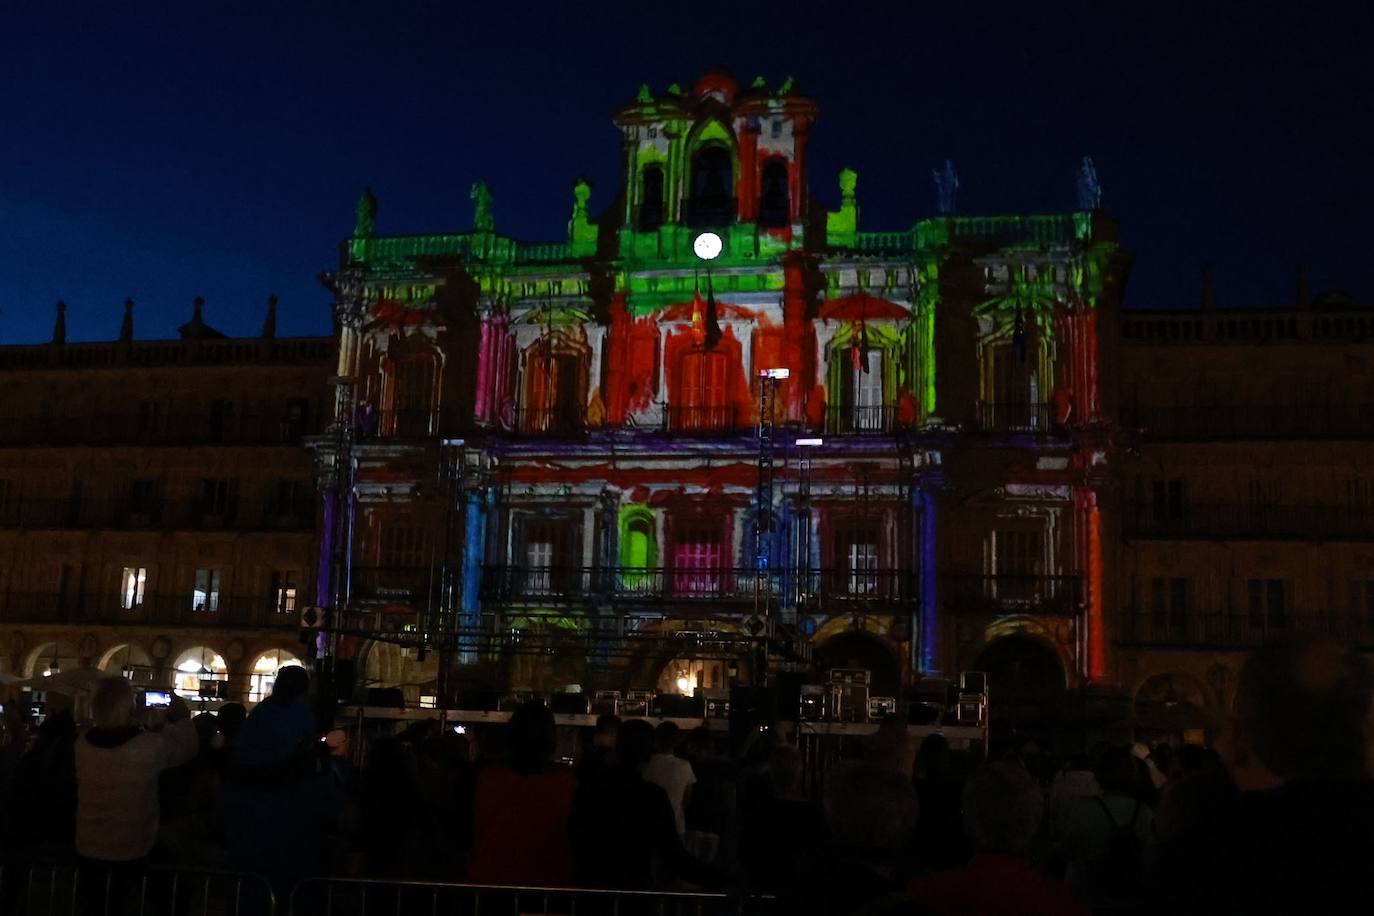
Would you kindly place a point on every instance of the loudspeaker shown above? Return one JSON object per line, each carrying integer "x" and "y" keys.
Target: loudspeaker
{"x": 389, "y": 697}
{"x": 973, "y": 682}
{"x": 569, "y": 704}
{"x": 751, "y": 711}
{"x": 811, "y": 703}
{"x": 675, "y": 706}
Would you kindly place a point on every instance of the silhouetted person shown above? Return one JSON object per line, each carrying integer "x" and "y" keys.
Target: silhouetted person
{"x": 870, "y": 812}
{"x": 670, "y": 772}
{"x": 623, "y": 827}
{"x": 1003, "y": 809}
{"x": 781, "y": 829}
{"x": 40, "y": 812}
{"x": 523, "y": 807}
{"x": 1106, "y": 839}
{"x": 939, "y": 828}
{"x": 1302, "y": 835}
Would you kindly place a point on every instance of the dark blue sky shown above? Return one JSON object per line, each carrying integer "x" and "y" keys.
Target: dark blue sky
{"x": 219, "y": 151}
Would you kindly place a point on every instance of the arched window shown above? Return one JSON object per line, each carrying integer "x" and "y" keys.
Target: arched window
{"x": 195, "y": 669}
{"x": 554, "y": 391}
{"x": 412, "y": 398}
{"x": 651, "y": 199}
{"x": 638, "y": 552}
{"x": 265, "y": 673}
{"x": 712, "y": 200}
{"x": 702, "y": 401}
{"x": 774, "y": 210}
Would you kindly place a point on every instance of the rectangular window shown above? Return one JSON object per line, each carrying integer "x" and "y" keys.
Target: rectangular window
{"x": 698, "y": 557}
{"x": 551, "y": 549}
{"x": 297, "y": 422}
{"x": 1362, "y": 603}
{"x": 404, "y": 548}
{"x": 702, "y": 404}
{"x": 142, "y": 494}
{"x": 150, "y": 417}
{"x": 286, "y": 499}
{"x": 1170, "y": 599}
{"x": 9, "y": 506}
{"x": 538, "y": 566}
{"x": 284, "y": 591}
{"x": 218, "y": 497}
{"x": 221, "y": 419}
{"x": 131, "y": 587}
{"x": 205, "y": 592}
{"x": 867, "y": 387}
{"x": 1268, "y": 603}
{"x": 1167, "y": 501}
{"x": 1018, "y": 564}
{"x": 856, "y": 551}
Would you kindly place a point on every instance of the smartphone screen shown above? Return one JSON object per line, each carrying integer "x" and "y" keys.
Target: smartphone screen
{"x": 154, "y": 698}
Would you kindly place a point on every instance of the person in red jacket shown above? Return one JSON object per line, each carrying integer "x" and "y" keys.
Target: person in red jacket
{"x": 520, "y": 830}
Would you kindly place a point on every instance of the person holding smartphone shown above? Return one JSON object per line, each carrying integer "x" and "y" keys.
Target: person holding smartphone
{"x": 118, "y": 762}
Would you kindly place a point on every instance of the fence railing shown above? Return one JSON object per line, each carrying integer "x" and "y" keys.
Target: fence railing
{"x": 223, "y": 611}
{"x": 1249, "y": 521}
{"x": 550, "y": 421}
{"x": 1026, "y": 419}
{"x": 1011, "y": 594}
{"x": 95, "y": 890}
{"x": 1188, "y": 628}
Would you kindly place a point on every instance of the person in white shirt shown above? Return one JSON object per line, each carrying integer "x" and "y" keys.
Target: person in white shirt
{"x": 671, "y": 772}
{"x": 118, "y": 763}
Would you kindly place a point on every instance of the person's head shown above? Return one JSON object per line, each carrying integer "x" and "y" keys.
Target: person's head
{"x": 1115, "y": 771}
{"x": 606, "y": 726}
{"x": 113, "y": 703}
{"x": 337, "y": 742}
{"x": 1302, "y": 711}
{"x": 634, "y": 743}
{"x": 1003, "y": 806}
{"x": 292, "y": 683}
{"x": 665, "y": 737}
{"x": 933, "y": 760}
{"x": 699, "y": 743}
{"x": 530, "y": 737}
{"x": 785, "y": 771}
{"x": 231, "y": 718}
{"x": 868, "y": 806}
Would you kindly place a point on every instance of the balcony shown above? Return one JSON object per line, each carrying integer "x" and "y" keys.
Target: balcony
{"x": 123, "y": 515}
{"x": 142, "y": 429}
{"x": 552, "y": 421}
{"x": 1253, "y": 422}
{"x": 1250, "y": 522}
{"x": 162, "y": 610}
{"x": 862, "y": 421}
{"x": 1231, "y": 630}
{"x": 400, "y": 584}
{"x": 720, "y": 585}
{"x": 1001, "y": 595}
{"x": 1015, "y": 419}
{"x": 700, "y": 421}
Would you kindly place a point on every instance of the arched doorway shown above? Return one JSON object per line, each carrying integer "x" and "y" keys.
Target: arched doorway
{"x": 51, "y": 658}
{"x": 862, "y": 650}
{"x": 130, "y": 660}
{"x": 194, "y": 668}
{"x": 1025, "y": 686}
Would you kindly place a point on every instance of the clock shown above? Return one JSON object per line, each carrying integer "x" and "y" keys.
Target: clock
{"x": 707, "y": 246}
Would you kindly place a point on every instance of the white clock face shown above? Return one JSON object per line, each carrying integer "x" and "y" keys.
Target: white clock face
{"x": 707, "y": 246}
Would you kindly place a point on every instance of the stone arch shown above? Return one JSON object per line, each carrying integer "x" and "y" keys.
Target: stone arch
{"x": 38, "y": 659}
{"x": 1026, "y": 683}
{"x": 863, "y": 648}
{"x": 194, "y": 664}
{"x": 262, "y": 672}
{"x": 131, "y": 654}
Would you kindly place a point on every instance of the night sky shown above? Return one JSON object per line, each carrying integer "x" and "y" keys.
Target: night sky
{"x": 220, "y": 151}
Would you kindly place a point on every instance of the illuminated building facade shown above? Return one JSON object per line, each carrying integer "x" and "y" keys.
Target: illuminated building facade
{"x": 577, "y": 461}
{"x": 157, "y": 510}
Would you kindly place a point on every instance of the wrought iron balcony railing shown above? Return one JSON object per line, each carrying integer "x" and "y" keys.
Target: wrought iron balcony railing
{"x": 179, "y": 609}
{"x": 156, "y": 429}
{"x": 122, "y": 514}
{"x": 1253, "y": 421}
{"x": 1249, "y": 521}
{"x": 550, "y": 421}
{"x": 868, "y": 420}
{"x": 1237, "y": 630}
{"x": 696, "y": 420}
{"x": 693, "y": 584}
{"x": 1015, "y": 418}
{"x": 1011, "y": 594}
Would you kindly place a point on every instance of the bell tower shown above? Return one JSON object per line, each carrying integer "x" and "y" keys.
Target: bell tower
{"x": 717, "y": 156}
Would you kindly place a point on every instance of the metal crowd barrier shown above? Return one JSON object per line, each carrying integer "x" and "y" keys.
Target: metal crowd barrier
{"x": 362, "y": 896}
{"x": 91, "y": 889}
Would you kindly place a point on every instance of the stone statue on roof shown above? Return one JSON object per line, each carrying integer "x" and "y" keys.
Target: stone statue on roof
{"x": 1089, "y": 189}
{"x": 481, "y": 210}
{"x": 366, "y": 223}
{"x": 946, "y": 188}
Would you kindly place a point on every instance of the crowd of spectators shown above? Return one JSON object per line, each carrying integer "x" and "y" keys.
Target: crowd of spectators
{"x": 1277, "y": 817}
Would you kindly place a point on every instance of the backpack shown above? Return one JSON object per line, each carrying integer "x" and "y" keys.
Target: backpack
{"x": 1120, "y": 870}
